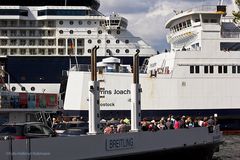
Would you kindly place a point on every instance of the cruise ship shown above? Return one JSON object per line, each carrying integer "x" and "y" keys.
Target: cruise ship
{"x": 198, "y": 76}
{"x": 39, "y": 40}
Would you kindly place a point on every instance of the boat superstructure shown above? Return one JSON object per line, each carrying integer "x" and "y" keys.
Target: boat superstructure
{"x": 40, "y": 40}
{"x": 199, "y": 76}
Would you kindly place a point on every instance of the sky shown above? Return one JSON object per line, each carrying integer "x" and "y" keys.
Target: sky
{"x": 146, "y": 18}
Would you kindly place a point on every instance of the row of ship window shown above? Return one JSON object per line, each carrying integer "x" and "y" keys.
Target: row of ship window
{"x": 22, "y": 88}
{"x": 210, "y": 69}
{"x": 90, "y": 32}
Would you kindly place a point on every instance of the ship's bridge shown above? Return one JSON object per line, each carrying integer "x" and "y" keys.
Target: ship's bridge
{"x": 186, "y": 26}
{"x": 94, "y": 4}
{"x": 115, "y": 21}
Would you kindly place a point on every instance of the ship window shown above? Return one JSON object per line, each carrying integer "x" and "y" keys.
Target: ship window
{"x": 100, "y": 32}
{"x": 213, "y": 20}
{"x": 13, "y": 88}
{"x": 13, "y": 12}
{"x": 118, "y": 31}
{"x": 99, "y": 41}
{"x": 62, "y": 12}
{"x": 61, "y": 51}
{"x": 23, "y": 88}
{"x": 89, "y": 51}
{"x": 205, "y": 69}
{"x": 22, "y": 51}
{"x": 197, "y": 70}
{"x": 189, "y": 23}
{"x": 238, "y": 69}
{"x": 197, "y": 20}
{"x": 61, "y": 31}
{"x": 109, "y": 32}
{"x": 89, "y": 31}
{"x": 108, "y": 51}
{"x": 32, "y": 88}
{"x": 234, "y": 69}
{"x": 219, "y": 69}
{"x": 230, "y": 46}
{"x": 225, "y": 69}
{"x": 71, "y": 22}
{"x": 211, "y": 69}
{"x": 80, "y": 51}
{"x": 61, "y": 22}
{"x": 108, "y": 41}
{"x": 191, "y": 69}
{"x": 127, "y": 51}
{"x": 184, "y": 25}
{"x": 117, "y": 41}
{"x": 117, "y": 51}
{"x": 80, "y": 42}
{"x": 89, "y": 41}
{"x": 80, "y": 22}
{"x": 71, "y": 31}
{"x": 205, "y": 20}
{"x": 89, "y": 22}
{"x": 127, "y": 41}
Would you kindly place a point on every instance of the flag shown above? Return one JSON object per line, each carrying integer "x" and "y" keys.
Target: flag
{"x": 72, "y": 43}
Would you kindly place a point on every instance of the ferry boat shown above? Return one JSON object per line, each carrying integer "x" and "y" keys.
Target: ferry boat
{"x": 198, "y": 76}
{"x": 194, "y": 143}
{"x": 39, "y": 40}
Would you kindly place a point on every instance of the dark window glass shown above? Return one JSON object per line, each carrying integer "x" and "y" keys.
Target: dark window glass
{"x": 117, "y": 51}
{"x": 61, "y": 22}
{"x": 13, "y": 12}
{"x": 229, "y": 46}
{"x": 127, "y": 51}
{"x": 71, "y": 31}
{"x": 225, "y": 69}
{"x": 219, "y": 69}
{"x": 117, "y": 41}
{"x": 118, "y": 32}
{"x": 23, "y": 88}
{"x": 13, "y": 88}
{"x": 99, "y": 41}
{"x": 205, "y": 69}
{"x": 108, "y": 41}
{"x": 234, "y": 69}
{"x": 211, "y": 69}
{"x": 89, "y": 31}
{"x": 89, "y": 41}
{"x": 127, "y": 41}
{"x": 109, "y": 32}
{"x": 89, "y": 51}
{"x": 71, "y": 22}
{"x": 191, "y": 69}
{"x": 197, "y": 70}
{"x": 62, "y": 12}
{"x": 32, "y": 88}
{"x": 238, "y": 69}
{"x": 100, "y": 32}
{"x": 61, "y": 31}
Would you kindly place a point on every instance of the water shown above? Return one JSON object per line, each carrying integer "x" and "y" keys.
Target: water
{"x": 230, "y": 149}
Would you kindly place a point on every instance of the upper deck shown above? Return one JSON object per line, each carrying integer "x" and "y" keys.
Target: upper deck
{"x": 198, "y": 10}
{"x": 95, "y": 4}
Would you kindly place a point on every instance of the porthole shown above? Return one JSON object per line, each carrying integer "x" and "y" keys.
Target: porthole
{"x": 100, "y": 32}
{"x": 99, "y": 41}
{"x": 4, "y": 88}
{"x": 117, "y": 41}
{"x": 108, "y": 51}
{"x": 118, "y": 31}
{"x": 127, "y": 51}
{"x": 89, "y": 31}
{"x": 71, "y": 22}
{"x": 108, "y": 41}
{"x": 126, "y": 41}
{"x": 80, "y": 22}
{"x": 61, "y": 22}
{"x": 23, "y": 89}
{"x": 89, "y": 22}
{"x": 117, "y": 51}
{"x": 61, "y": 31}
{"x": 109, "y": 32}
{"x": 89, "y": 51}
{"x": 71, "y": 31}
{"x": 89, "y": 41}
{"x": 13, "y": 88}
{"x": 32, "y": 88}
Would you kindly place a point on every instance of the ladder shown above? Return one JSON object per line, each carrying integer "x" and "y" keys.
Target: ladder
{"x": 143, "y": 68}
